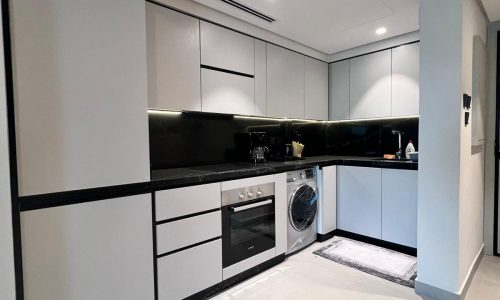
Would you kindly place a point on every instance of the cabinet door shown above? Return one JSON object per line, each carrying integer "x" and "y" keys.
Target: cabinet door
{"x": 370, "y": 85}
{"x": 316, "y": 89}
{"x": 339, "y": 90}
{"x": 188, "y": 272}
{"x": 260, "y": 78}
{"x": 327, "y": 216}
{"x": 173, "y": 45}
{"x": 94, "y": 250}
{"x": 359, "y": 200}
{"x": 226, "y": 49}
{"x": 285, "y": 83}
{"x": 281, "y": 208}
{"x": 223, "y": 92}
{"x": 405, "y": 79}
{"x": 81, "y": 94}
{"x": 399, "y": 206}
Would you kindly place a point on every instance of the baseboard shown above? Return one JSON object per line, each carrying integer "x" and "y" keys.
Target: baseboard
{"x": 427, "y": 290}
{"x": 326, "y": 236}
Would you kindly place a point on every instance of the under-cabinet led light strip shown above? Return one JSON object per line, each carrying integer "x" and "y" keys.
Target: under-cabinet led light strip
{"x": 177, "y": 112}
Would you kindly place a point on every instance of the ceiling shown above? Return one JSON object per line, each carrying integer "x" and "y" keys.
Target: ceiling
{"x": 329, "y": 26}
{"x": 492, "y": 8}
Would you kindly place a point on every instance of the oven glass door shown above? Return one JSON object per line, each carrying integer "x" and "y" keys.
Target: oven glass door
{"x": 247, "y": 229}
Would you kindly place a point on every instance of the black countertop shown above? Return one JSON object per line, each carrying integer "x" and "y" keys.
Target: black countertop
{"x": 178, "y": 177}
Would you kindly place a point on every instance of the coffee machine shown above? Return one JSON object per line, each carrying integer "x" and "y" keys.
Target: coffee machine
{"x": 251, "y": 147}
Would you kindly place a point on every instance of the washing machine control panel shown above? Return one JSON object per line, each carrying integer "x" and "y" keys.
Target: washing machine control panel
{"x": 300, "y": 175}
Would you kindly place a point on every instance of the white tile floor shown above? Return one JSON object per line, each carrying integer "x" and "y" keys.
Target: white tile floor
{"x": 307, "y": 276}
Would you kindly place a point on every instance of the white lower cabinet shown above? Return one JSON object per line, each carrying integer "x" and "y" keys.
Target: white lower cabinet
{"x": 94, "y": 250}
{"x": 327, "y": 212}
{"x": 359, "y": 199}
{"x": 281, "y": 212}
{"x": 223, "y": 92}
{"x": 399, "y": 206}
{"x": 188, "y": 272}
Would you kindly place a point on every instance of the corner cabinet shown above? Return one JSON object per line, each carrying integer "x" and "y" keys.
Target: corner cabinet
{"x": 173, "y": 45}
{"x": 405, "y": 79}
{"x": 327, "y": 212}
{"x": 316, "y": 89}
{"x": 370, "y": 85}
{"x": 359, "y": 199}
{"x": 92, "y": 250}
{"x": 339, "y": 90}
{"x": 285, "y": 83}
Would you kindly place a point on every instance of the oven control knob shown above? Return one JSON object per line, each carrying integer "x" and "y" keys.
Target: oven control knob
{"x": 241, "y": 196}
{"x": 259, "y": 193}
{"x": 249, "y": 195}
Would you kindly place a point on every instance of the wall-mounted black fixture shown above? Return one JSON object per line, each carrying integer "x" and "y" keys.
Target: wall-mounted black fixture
{"x": 467, "y": 101}
{"x": 467, "y": 118}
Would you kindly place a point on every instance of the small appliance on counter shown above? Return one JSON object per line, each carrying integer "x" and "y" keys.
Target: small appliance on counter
{"x": 279, "y": 150}
{"x": 251, "y": 147}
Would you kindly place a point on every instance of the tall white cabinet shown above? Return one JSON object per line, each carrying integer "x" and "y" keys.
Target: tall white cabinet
{"x": 81, "y": 94}
{"x": 370, "y": 85}
{"x": 285, "y": 83}
{"x": 316, "y": 89}
{"x": 93, "y": 250}
{"x": 405, "y": 79}
{"x": 173, "y": 49}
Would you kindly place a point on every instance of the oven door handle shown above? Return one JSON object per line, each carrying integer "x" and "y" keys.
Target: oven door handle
{"x": 245, "y": 207}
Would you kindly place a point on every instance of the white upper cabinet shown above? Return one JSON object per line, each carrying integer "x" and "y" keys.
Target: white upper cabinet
{"x": 223, "y": 92}
{"x": 339, "y": 90}
{"x": 316, "y": 89}
{"x": 370, "y": 85}
{"x": 226, "y": 49}
{"x": 285, "y": 83}
{"x": 405, "y": 79}
{"x": 173, "y": 46}
{"x": 260, "y": 78}
{"x": 81, "y": 94}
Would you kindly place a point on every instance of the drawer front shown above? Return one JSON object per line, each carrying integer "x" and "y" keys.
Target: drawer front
{"x": 189, "y": 200}
{"x": 187, "y": 272}
{"x": 175, "y": 235}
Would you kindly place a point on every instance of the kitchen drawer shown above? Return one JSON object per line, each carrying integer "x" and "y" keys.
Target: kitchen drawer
{"x": 175, "y": 235}
{"x": 190, "y": 271}
{"x": 189, "y": 200}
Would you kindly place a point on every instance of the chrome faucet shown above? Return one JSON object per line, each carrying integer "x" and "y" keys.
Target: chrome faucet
{"x": 398, "y": 153}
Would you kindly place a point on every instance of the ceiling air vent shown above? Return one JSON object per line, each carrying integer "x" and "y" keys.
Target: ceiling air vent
{"x": 249, "y": 10}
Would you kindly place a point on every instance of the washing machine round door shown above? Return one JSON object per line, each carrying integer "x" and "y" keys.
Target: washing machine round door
{"x": 303, "y": 207}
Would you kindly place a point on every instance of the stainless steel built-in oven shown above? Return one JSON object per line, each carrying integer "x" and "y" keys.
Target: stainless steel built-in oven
{"x": 248, "y": 222}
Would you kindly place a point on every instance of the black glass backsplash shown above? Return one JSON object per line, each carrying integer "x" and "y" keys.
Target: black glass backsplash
{"x": 190, "y": 139}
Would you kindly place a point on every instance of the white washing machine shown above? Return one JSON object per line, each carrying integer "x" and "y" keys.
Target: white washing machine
{"x": 302, "y": 209}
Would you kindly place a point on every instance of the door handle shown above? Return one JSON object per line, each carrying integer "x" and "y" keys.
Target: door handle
{"x": 253, "y": 205}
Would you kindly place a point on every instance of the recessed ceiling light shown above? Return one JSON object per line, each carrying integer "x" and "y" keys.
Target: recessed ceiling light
{"x": 381, "y": 30}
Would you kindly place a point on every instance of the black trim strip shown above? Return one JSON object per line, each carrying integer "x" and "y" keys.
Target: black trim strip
{"x": 377, "y": 242}
{"x": 155, "y": 246}
{"x": 223, "y": 26}
{"x": 380, "y": 50}
{"x": 16, "y": 214}
{"x": 226, "y": 71}
{"x": 497, "y": 154}
{"x": 249, "y": 10}
{"x": 187, "y": 247}
{"x": 81, "y": 196}
{"x": 186, "y": 216}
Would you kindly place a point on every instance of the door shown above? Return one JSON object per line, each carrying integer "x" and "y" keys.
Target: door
{"x": 316, "y": 89}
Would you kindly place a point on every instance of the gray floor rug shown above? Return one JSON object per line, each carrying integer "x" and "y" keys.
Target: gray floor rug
{"x": 384, "y": 263}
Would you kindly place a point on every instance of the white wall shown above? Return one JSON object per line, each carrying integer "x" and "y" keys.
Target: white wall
{"x": 7, "y": 287}
{"x": 218, "y": 17}
{"x": 493, "y": 28}
{"x": 471, "y": 158}
{"x": 451, "y": 180}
